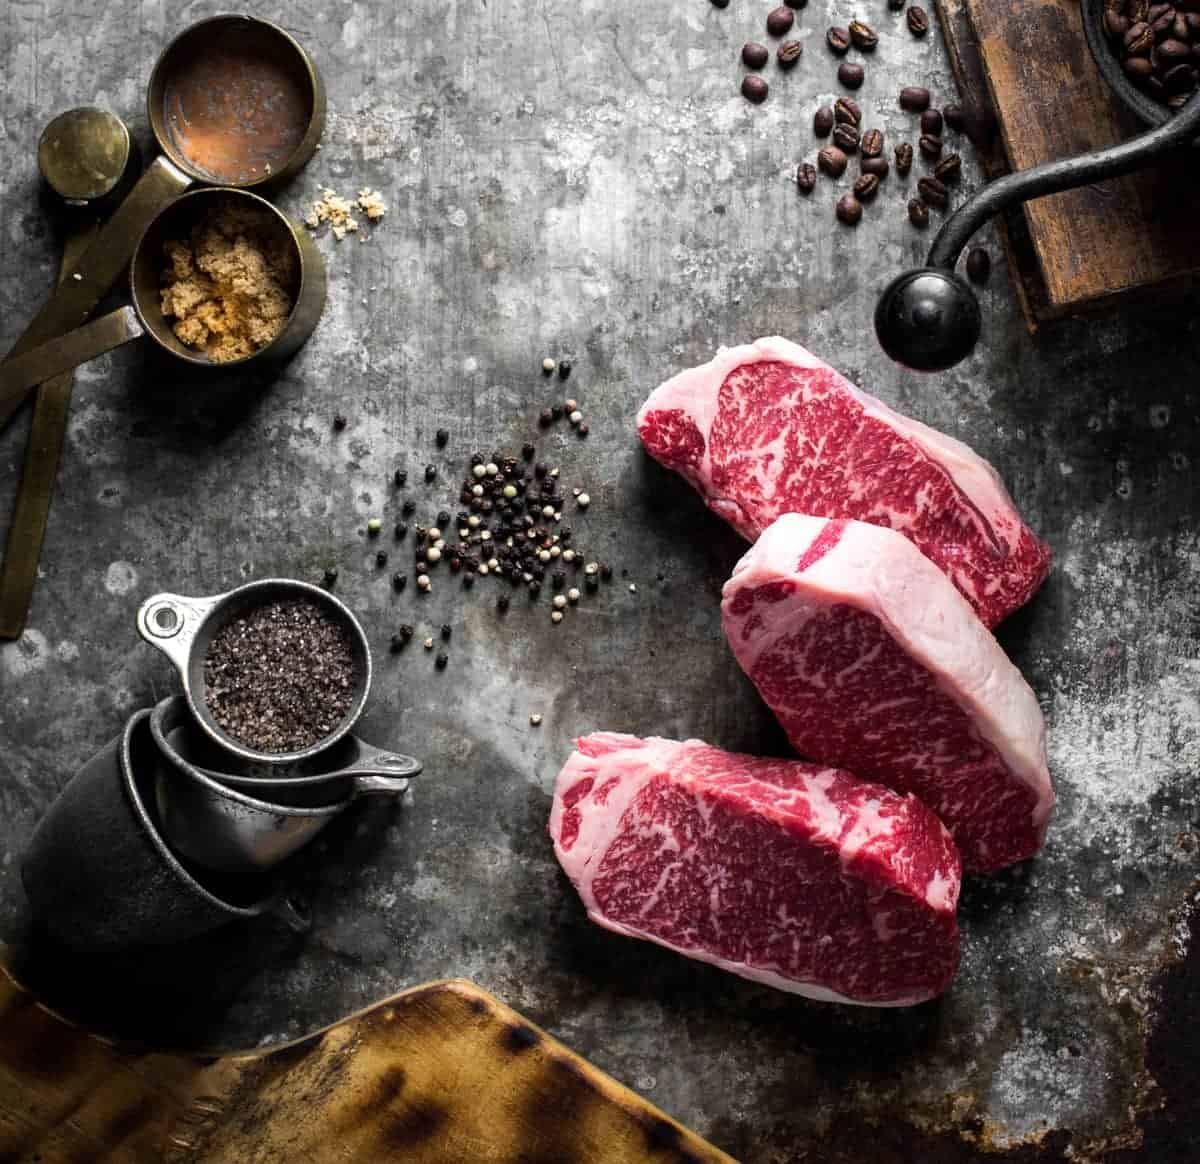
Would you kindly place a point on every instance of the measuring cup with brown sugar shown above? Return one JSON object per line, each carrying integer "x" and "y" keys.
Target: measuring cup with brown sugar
{"x": 233, "y": 101}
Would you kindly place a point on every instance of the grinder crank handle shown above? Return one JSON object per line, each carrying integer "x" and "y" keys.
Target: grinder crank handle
{"x": 95, "y": 272}
{"x": 928, "y": 318}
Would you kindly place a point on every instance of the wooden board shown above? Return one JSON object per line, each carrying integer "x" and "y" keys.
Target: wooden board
{"x": 1085, "y": 248}
{"x": 440, "y": 1074}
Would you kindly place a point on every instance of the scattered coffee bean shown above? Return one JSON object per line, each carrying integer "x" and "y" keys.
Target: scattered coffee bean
{"x": 930, "y": 145}
{"x": 780, "y": 20}
{"x": 863, "y": 36}
{"x": 931, "y": 122}
{"x": 754, "y": 89}
{"x": 877, "y": 166}
{"x": 934, "y": 193}
{"x": 872, "y": 143}
{"x": 838, "y": 40}
{"x": 754, "y": 55}
{"x": 949, "y": 169}
{"x": 849, "y": 210}
{"x": 850, "y": 75}
{"x": 904, "y": 158}
{"x": 847, "y": 111}
{"x": 914, "y": 99}
{"x": 918, "y": 20}
{"x": 823, "y": 121}
{"x": 806, "y": 177}
{"x": 918, "y": 213}
{"x": 832, "y": 161}
{"x": 979, "y": 265}
{"x": 789, "y": 53}
{"x": 866, "y": 186}
{"x": 846, "y": 138}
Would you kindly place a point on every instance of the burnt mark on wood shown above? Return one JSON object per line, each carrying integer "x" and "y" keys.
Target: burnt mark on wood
{"x": 391, "y": 1083}
{"x": 129, "y": 1120}
{"x": 661, "y": 1135}
{"x": 420, "y": 1120}
{"x": 518, "y": 1037}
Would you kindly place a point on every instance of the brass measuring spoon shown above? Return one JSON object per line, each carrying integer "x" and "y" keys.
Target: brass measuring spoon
{"x": 88, "y": 161}
{"x": 233, "y": 101}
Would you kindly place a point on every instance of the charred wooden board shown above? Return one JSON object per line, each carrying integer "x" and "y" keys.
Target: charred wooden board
{"x": 1086, "y": 248}
{"x": 440, "y": 1073}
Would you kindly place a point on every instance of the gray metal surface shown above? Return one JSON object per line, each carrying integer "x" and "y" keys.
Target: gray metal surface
{"x": 584, "y": 178}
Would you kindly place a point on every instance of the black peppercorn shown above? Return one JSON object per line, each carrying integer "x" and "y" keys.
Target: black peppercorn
{"x": 564, "y": 369}
{"x": 401, "y": 478}
{"x": 446, "y": 631}
{"x": 527, "y": 451}
{"x": 558, "y": 579}
{"x": 582, "y": 429}
{"x": 381, "y": 558}
{"x": 339, "y": 422}
{"x": 502, "y": 603}
{"x": 430, "y": 472}
{"x": 442, "y": 437}
{"x": 409, "y": 507}
{"x": 468, "y": 580}
{"x": 442, "y": 660}
{"x": 546, "y": 418}
{"x": 331, "y": 575}
{"x": 535, "y": 588}
{"x": 443, "y": 519}
{"x": 556, "y": 410}
{"x": 399, "y": 581}
{"x": 398, "y": 643}
{"x": 605, "y": 571}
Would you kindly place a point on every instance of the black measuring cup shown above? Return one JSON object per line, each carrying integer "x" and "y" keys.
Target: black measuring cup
{"x": 233, "y": 101}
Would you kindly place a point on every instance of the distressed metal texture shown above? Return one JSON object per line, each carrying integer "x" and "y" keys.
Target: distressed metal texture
{"x": 584, "y": 178}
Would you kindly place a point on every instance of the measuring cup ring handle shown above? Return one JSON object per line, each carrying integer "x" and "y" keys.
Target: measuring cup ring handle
{"x": 170, "y": 622}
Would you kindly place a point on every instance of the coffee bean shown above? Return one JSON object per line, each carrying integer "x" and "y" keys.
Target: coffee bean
{"x": 933, "y": 193}
{"x": 1139, "y": 68}
{"x": 949, "y": 169}
{"x": 872, "y": 143}
{"x": 1115, "y": 25}
{"x": 789, "y": 53}
{"x": 832, "y": 161}
{"x": 1180, "y": 80}
{"x": 918, "y": 213}
{"x": 1171, "y": 52}
{"x": 1139, "y": 40}
{"x": 863, "y": 36}
{"x": 754, "y": 55}
{"x": 754, "y": 88}
{"x": 931, "y": 122}
{"x": 806, "y": 177}
{"x": 846, "y": 138}
{"x": 1180, "y": 29}
{"x": 850, "y": 75}
{"x": 904, "y": 158}
{"x": 847, "y": 110}
{"x": 823, "y": 121}
{"x": 838, "y": 40}
{"x": 849, "y": 210}
{"x": 930, "y": 145}
{"x": 866, "y": 186}
{"x": 979, "y": 265}
{"x": 918, "y": 20}
{"x": 914, "y": 99}
{"x": 780, "y": 20}
{"x": 877, "y": 166}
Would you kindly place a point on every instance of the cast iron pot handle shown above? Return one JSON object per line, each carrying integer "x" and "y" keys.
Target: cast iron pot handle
{"x": 928, "y": 318}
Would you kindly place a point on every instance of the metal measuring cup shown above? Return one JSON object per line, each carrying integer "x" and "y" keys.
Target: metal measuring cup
{"x": 182, "y": 628}
{"x": 232, "y": 101}
{"x": 144, "y": 316}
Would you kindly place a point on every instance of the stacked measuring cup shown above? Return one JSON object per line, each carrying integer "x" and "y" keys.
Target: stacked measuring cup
{"x": 177, "y": 827}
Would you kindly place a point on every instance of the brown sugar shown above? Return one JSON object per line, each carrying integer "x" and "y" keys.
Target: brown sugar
{"x": 226, "y": 287}
{"x": 339, "y": 212}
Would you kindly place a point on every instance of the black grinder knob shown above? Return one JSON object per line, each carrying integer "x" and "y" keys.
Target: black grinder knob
{"x": 928, "y": 319}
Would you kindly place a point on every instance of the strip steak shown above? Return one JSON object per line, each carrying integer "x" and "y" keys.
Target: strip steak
{"x": 872, "y": 661}
{"x": 798, "y": 876}
{"x": 767, "y": 428}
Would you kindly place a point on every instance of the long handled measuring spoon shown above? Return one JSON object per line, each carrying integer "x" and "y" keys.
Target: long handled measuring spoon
{"x": 87, "y": 159}
{"x": 233, "y": 101}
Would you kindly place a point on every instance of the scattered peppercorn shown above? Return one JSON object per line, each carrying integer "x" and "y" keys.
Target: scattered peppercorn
{"x": 374, "y": 525}
{"x": 409, "y": 507}
{"x": 535, "y": 720}
{"x": 548, "y": 365}
{"x": 447, "y": 630}
{"x": 527, "y": 451}
{"x": 339, "y": 422}
{"x": 441, "y": 661}
{"x": 399, "y": 581}
{"x": 381, "y": 557}
{"x": 582, "y": 429}
{"x": 430, "y": 472}
{"x": 564, "y": 369}
{"x": 400, "y": 477}
{"x": 428, "y": 643}
{"x": 331, "y": 575}
{"x": 442, "y": 437}
{"x": 502, "y": 603}
{"x": 546, "y": 418}
{"x": 606, "y": 571}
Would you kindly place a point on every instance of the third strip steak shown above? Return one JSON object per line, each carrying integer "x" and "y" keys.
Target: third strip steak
{"x": 873, "y": 662}
{"x": 767, "y": 428}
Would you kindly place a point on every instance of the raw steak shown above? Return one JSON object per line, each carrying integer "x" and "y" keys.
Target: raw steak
{"x": 767, "y": 429}
{"x": 871, "y": 660}
{"x": 801, "y": 877}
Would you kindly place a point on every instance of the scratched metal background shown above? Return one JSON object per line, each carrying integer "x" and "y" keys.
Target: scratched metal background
{"x": 583, "y": 178}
